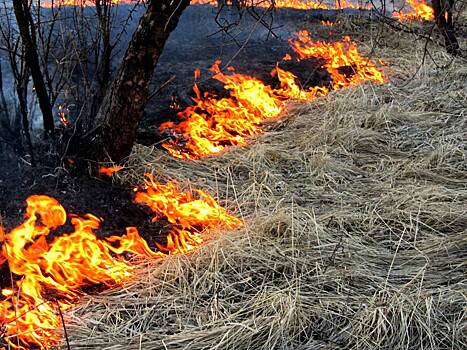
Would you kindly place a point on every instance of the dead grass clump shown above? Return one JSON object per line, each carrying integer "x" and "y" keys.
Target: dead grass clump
{"x": 355, "y": 232}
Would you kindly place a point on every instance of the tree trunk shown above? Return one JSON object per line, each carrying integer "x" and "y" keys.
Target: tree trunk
{"x": 443, "y": 16}
{"x": 23, "y": 15}
{"x": 124, "y": 102}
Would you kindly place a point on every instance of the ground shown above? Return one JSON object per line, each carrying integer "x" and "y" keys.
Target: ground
{"x": 355, "y": 225}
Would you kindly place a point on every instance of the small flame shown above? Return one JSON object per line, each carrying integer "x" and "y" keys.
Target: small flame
{"x": 63, "y": 112}
{"x": 109, "y": 171}
{"x": 190, "y": 213}
{"x": 50, "y": 273}
{"x": 197, "y": 73}
{"x": 213, "y": 123}
{"x": 327, "y": 23}
{"x": 418, "y": 10}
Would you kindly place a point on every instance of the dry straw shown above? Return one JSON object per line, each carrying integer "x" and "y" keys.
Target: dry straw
{"x": 355, "y": 235}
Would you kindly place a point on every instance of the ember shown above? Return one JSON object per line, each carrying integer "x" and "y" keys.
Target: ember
{"x": 214, "y": 123}
{"x": 109, "y": 171}
{"x": 50, "y": 274}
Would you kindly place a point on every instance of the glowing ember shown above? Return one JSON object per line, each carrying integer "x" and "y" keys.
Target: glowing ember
{"x": 419, "y": 10}
{"x": 108, "y": 171}
{"x": 63, "y": 112}
{"x": 213, "y": 123}
{"x": 50, "y": 273}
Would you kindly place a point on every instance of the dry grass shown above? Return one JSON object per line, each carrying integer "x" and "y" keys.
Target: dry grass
{"x": 355, "y": 235}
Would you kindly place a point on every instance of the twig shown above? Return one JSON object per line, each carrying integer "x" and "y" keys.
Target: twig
{"x": 63, "y": 324}
{"x": 160, "y": 88}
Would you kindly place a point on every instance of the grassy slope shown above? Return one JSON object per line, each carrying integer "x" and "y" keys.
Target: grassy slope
{"x": 356, "y": 229}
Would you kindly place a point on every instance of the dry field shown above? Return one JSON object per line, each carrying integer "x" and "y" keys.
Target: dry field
{"x": 355, "y": 235}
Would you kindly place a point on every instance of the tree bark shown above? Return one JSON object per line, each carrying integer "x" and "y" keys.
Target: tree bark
{"x": 23, "y": 15}
{"x": 114, "y": 133}
{"x": 443, "y": 16}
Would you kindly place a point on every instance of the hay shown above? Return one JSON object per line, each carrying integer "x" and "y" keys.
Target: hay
{"x": 355, "y": 235}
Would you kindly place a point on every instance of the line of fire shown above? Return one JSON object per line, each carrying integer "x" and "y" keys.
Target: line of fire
{"x": 85, "y": 83}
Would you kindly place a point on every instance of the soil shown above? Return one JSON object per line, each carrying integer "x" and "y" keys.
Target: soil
{"x": 79, "y": 195}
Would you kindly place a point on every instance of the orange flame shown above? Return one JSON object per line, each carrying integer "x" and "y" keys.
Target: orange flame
{"x": 190, "y": 213}
{"x": 51, "y": 276}
{"x": 295, "y": 4}
{"x": 327, "y": 23}
{"x": 214, "y": 123}
{"x": 338, "y": 55}
{"x": 84, "y": 3}
{"x": 418, "y": 10}
{"x": 109, "y": 171}
{"x": 290, "y": 88}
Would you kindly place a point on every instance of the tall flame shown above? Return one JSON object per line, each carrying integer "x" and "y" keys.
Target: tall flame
{"x": 214, "y": 123}
{"x": 418, "y": 10}
{"x": 50, "y": 273}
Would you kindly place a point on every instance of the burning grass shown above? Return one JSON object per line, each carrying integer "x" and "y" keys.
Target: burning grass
{"x": 213, "y": 123}
{"x": 50, "y": 273}
{"x": 355, "y": 236}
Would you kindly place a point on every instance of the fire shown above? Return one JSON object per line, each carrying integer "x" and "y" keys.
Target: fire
{"x": 338, "y": 55}
{"x": 214, "y": 123}
{"x": 108, "y": 171}
{"x": 191, "y": 213}
{"x": 84, "y": 3}
{"x": 419, "y": 10}
{"x": 50, "y": 273}
{"x": 290, "y": 89}
{"x": 295, "y": 4}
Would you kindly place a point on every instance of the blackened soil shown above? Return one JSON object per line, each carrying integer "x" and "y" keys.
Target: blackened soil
{"x": 251, "y": 49}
